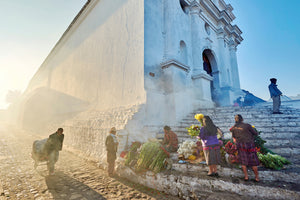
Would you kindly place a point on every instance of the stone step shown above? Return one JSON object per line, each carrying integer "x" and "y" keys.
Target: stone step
{"x": 191, "y": 182}
{"x": 262, "y": 130}
{"x": 264, "y": 135}
{"x": 247, "y": 120}
{"x": 246, "y": 115}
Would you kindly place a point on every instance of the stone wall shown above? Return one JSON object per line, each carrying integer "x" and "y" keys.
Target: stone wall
{"x": 85, "y": 134}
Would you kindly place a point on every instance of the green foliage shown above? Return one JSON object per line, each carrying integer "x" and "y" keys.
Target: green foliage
{"x": 272, "y": 161}
{"x": 132, "y": 154}
{"x": 260, "y": 143}
{"x": 151, "y": 157}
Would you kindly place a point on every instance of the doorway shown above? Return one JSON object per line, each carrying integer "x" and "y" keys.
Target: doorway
{"x": 211, "y": 68}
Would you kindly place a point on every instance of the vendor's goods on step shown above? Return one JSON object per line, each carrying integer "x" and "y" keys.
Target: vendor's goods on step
{"x": 132, "y": 155}
{"x": 193, "y": 130}
{"x": 152, "y": 157}
{"x": 272, "y": 161}
{"x": 187, "y": 148}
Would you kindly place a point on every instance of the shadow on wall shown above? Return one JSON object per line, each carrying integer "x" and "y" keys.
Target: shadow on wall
{"x": 49, "y": 106}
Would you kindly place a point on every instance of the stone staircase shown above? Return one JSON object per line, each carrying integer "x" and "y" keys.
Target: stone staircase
{"x": 281, "y": 131}
{"x": 190, "y": 181}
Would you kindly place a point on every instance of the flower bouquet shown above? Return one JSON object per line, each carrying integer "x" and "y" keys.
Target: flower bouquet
{"x": 193, "y": 130}
{"x": 199, "y": 117}
{"x": 231, "y": 150}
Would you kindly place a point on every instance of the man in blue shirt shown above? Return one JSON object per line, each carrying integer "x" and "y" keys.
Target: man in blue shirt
{"x": 275, "y": 95}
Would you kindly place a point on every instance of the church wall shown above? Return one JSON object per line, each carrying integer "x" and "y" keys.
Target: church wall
{"x": 104, "y": 66}
{"x": 163, "y": 43}
{"x": 100, "y": 61}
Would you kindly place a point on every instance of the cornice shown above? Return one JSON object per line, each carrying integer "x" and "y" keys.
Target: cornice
{"x": 225, "y": 17}
{"x": 175, "y": 63}
{"x": 194, "y": 7}
{"x": 202, "y": 75}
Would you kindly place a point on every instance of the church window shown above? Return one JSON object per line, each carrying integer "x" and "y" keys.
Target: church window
{"x": 183, "y": 52}
{"x": 207, "y": 28}
{"x": 184, "y": 6}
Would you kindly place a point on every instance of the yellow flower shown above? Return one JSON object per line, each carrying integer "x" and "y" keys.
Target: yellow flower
{"x": 253, "y": 126}
{"x": 192, "y": 157}
{"x": 199, "y": 116}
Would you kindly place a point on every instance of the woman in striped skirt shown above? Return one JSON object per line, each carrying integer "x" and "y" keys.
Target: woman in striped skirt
{"x": 210, "y": 144}
{"x": 243, "y": 134}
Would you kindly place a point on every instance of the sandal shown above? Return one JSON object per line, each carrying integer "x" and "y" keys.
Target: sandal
{"x": 212, "y": 174}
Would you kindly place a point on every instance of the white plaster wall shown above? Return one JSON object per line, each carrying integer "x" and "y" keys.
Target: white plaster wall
{"x": 164, "y": 29}
{"x": 162, "y": 43}
{"x": 102, "y": 59}
{"x": 99, "y": 60}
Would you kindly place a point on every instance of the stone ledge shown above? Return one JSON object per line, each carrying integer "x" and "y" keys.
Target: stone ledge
{"x": 190, "y": 186}
{"x": 265, "y": 175}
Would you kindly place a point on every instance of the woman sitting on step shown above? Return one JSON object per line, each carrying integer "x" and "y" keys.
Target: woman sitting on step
{"x": 243, "y": 135}
{"x": 210, "y": 144}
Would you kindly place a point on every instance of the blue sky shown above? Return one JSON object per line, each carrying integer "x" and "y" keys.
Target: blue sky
{"x": 271, "y": 46}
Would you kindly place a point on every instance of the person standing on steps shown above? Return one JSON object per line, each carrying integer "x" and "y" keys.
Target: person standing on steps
{"x": 210, "y": 144}
{"x": 275, "y": 94}
{"x": 53, "y": 146}
{"x": 111, "y": 144}
{"x": 243, "y": 134}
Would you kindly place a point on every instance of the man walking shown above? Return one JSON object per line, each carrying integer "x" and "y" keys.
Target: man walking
{"x": 111, "y": 144}
{"x": 53, "y": 146}
{"x": 275, "y": 95}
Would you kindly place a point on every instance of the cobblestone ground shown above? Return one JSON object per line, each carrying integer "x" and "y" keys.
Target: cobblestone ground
{"x": 75, "y": 178}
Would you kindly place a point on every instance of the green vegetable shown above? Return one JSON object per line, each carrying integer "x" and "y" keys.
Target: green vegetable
{"x": 272, "y": 161}
{"x": 152, "y": 157}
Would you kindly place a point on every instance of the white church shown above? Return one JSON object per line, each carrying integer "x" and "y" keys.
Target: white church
{"x": 137, "y": 65}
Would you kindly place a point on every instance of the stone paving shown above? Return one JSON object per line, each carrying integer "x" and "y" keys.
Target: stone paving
{"x": 75, "y": 177}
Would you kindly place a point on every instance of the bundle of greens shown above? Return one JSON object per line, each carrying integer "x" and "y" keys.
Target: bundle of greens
{"x": 152, "y": 157}
{"x": 132, "y": 154}
{"x": 272, "y": 161}
{"x": 260, "y": 145}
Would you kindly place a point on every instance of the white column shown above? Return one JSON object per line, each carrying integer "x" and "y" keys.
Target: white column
{"x": 234, "y": 66}
{"x": 196, "y": 36}
{"x": 171, "y": 47}
{"x": 221, "y": 57}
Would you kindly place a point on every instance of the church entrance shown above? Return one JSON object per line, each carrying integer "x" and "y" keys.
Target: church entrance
{"x": 211, "y": 68}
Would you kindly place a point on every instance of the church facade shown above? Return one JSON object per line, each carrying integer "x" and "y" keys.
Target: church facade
{"x": 136, "y": 65}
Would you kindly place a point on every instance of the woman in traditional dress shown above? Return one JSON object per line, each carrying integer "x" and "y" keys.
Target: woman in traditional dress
{"x": 211, "y": 147}
{"x": 243, "y": 134}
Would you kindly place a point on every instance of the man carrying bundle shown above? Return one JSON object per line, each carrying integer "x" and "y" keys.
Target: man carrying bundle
{"x": 53, "y": 146}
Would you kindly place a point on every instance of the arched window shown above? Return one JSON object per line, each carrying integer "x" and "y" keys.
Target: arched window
{"x": 207, "y": 28}
{"x": 184, "y": 6}
{"x": 183, "y": 52}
